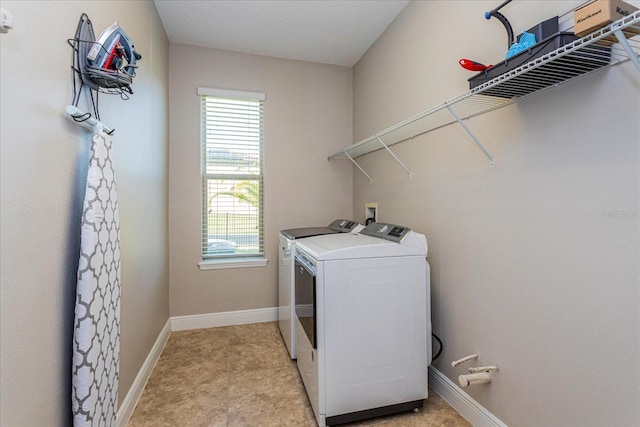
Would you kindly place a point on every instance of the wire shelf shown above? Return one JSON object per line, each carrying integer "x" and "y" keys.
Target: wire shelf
{"x": 610, "y": 45}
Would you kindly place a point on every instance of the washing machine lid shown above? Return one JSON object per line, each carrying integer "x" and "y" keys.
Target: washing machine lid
{"x": 336, "y": 226}
{"x": 352, "y": 246}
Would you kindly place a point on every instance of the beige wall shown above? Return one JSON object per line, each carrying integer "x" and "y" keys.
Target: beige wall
{"x": 308, "y": 114}
{"x": 529, "y": 268}
{"x": 44, "y": 157}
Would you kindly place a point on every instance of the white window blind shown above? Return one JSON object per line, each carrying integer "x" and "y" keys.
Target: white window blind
{"x": 232, "y": 173}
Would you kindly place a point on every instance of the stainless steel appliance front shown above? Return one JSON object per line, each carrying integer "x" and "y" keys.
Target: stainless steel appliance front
{"x": 305, "y": 297}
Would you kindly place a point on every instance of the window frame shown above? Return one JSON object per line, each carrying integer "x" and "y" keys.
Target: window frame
{"x": 209, "y": 261}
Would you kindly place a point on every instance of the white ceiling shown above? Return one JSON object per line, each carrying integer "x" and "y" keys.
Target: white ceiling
{"x": 327, "y": 31}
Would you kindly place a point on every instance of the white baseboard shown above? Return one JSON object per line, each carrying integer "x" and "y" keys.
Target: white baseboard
{"x": 213, "y": 320}
{"x": 131, "y": 399}
{"x": 466, "y": 406}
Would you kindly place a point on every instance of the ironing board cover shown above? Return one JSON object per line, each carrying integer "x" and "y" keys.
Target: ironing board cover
{"x": 96, "y": 343}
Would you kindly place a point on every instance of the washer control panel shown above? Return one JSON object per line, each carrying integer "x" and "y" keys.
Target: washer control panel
{"x": 392, "y": 232}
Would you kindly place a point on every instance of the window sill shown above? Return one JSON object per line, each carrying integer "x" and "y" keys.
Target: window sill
{"x": 211, "y": 264}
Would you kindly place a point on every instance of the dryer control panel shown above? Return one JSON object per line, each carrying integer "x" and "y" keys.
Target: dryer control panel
{"x": 392, "y": 232}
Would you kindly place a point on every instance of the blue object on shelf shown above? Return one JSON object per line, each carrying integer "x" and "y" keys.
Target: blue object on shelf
{"x": 526, "y": 41}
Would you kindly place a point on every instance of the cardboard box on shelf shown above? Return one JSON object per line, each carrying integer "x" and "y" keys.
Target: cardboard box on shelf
{"x": 599, "y": 13}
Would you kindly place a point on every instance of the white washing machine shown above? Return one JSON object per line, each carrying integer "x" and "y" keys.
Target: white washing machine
{"x": 286, "y": 295}
{"x": 363, "y": 321}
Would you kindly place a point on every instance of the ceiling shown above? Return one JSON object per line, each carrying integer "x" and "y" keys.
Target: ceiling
{"x": 335, "y": 32}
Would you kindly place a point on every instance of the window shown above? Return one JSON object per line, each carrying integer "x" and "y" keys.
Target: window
{"x": 232, "y": 174}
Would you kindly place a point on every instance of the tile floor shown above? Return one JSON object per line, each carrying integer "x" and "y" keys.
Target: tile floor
{"x": 242, "y": 376}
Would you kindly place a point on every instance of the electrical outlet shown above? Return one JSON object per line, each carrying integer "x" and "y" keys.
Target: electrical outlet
{"x": 370, "y": 212}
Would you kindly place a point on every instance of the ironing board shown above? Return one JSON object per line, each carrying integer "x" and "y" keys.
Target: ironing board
{"x": 96, "y": 343}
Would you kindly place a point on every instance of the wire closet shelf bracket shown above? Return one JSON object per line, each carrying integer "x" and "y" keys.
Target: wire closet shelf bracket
{"x": 613, "y": 44}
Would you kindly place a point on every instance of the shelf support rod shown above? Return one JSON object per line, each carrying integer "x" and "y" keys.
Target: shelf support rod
{"x": 394, "y": 156}
{"x": 625, "y": 44}
{"x": 358, "y": 166}
{"x": 472, "y": 136}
